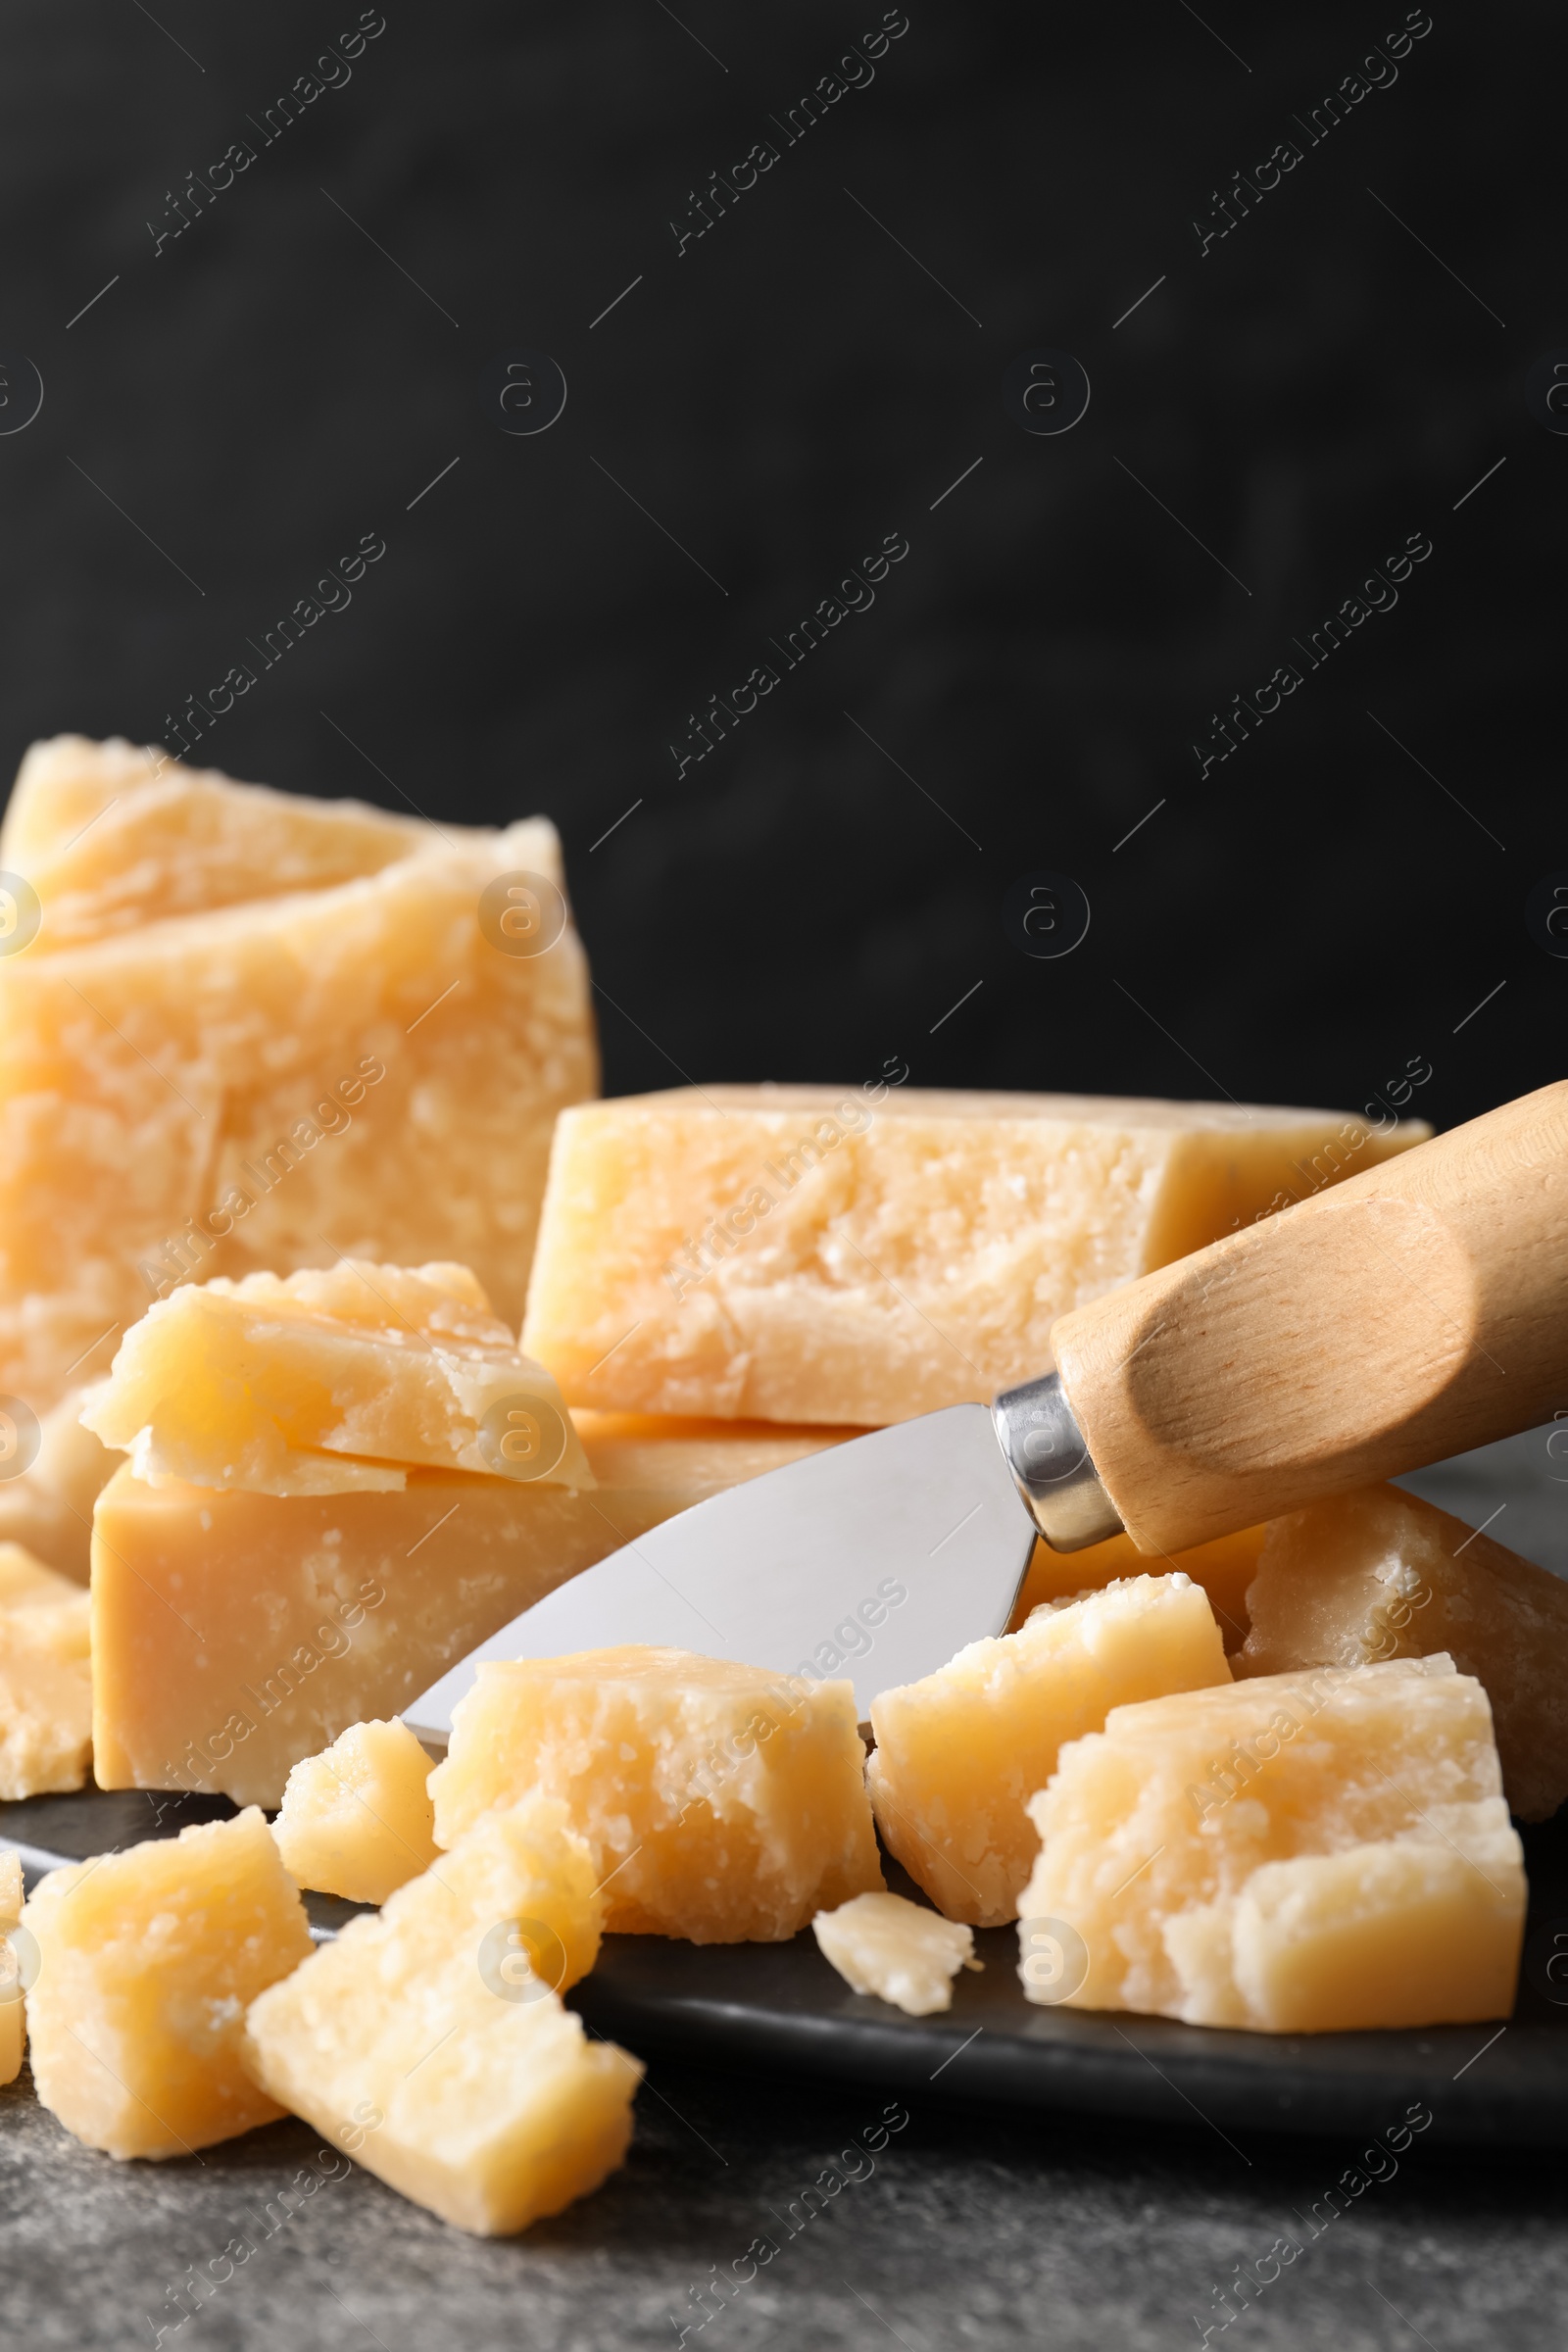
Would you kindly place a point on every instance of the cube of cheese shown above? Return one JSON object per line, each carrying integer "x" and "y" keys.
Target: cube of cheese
{"x": 722, "y": 1804}
{"x": 1225, "y": 1568}
{"x": 249, "y": 1384}
{"x": 1381, "y": 1574}
{"x": 45, "y": 1678}
{"x": 47, "y": 1507}
{"x": 1299, "y": 1854}
{"x": 115, "y": 835}
{"x": 883, "y": 1944}
{"x": 431, "y": 2043}
{"x": 797, "y": 1252}
{"x": 366, "y": 1068}
{"x": 13, "y": 2011}
{"x": 357, "y": 1820}
{"x": 147, "y": 1960}
{"x": 236, "y": 1634}
{"x": 959, "y": 1753}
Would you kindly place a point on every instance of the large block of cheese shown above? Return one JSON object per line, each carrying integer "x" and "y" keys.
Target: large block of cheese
{"x": 1300, "y": 1853}
{"x": 47, "y": 1507}
{"x": 430, "y": 2041}
{"x": 1225, "y": 1568}
{"x": 1381, "y": 1574}
{"x": 268, "y": 1384}
{"x": 865, "y": 1255}
{"x": 364, "y": 1067}
{"x": 357, "y": 1820}
{"x": 236, "y": 1634}
{"x": 13, "y": 2010}
{"x": 45, "y": 1678}
{"x": 147, "y": 1960}
{"x": 959, "y": 1753}
{"x": 722, "y": 1804}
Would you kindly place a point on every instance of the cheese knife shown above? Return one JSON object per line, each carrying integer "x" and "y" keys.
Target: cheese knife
{"x": 1409, "y": 1313}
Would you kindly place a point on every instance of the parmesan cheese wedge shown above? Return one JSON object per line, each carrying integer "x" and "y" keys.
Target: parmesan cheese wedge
{"x": 722, "y": 1804}
{"x": 1379, "y": 1574}
{"x": 12, "y": 2008}
{"x": 431, "y": 2043}
{"x": 250, "y": 1385}
{"x": 796, "y": 1252}
{"x": 47, "y": 1507}
{"x": 357, "y": 1820}
{"x": 236, "y": 1634}
{"x": 959, "y": 1753}
{"x": 45, "y": 1678}
{"x": 1225, "y": 1568}
{"x": 1299, "y": 1854}
{"x": 147, "y": 1960}
{"x": 883, "y": 1944}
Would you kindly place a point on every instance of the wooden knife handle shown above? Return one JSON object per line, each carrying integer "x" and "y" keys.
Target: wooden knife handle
{"x": 1406, "y": 1314}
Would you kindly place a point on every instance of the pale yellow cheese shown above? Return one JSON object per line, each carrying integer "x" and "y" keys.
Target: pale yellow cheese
{"x": 959, "y": 1753}
{"x": 47, "y": 1507}
{"x": 722, "y": 1804}
{"x": 147, "y": 1960}
{"x": 1224, "y": 1568}
{"x": 236, "y": 1634}
{"x": 883, "y": 1944}
{"x": 1381, "y": 1574}
{"x": 357, "y": 1820}
{"x": 266, "y": 1385}
{"x": 1299, "y": 1854}
{"x": 363, "y": 1068}
{"x": 430, "y": 2042}
{"x": 13, "y": 2007}
{"x": 113, "y": 835}
{"x": 45, "y": 1678}
{"x": 870, "y": 1254}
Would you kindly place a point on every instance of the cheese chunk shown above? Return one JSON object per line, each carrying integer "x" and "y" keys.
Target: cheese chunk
{"x": 1381, "y": 1574}
{"x": 883, "y": 1944}
{"x": 115, "y": 835}
{"x": 863, "y": 1256}
{"x": 13, "y": 2009}
{"x": 959, "y": 1753}
{"x": 248, "y": 1385}
{"x": 430, "y": 2042}
{"x": 147, "y": 1960}
{"x": 1225, "y": 1568}
{"x": 45, "y": 1678}
{"x": 370, "y": 1067}
{"x": 722, "y": 1804}
{"x": 1300, "y": 1853}
{"x": 357, "y": 1820}
{"x": 236, "y": 1634}
{"x": 48, "y": 1506}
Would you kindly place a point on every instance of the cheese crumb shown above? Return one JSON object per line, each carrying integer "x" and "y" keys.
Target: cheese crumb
{"x": 904, "y": 1954}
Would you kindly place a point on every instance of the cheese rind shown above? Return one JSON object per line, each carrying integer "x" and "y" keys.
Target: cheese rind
{"x": 146, "y": 1962}
{"x": 430, "y": 2042}
{"x": 235, "y": 1635}
{"x": 904, "y": 1954}
{"x": 249, "y": 1385}
{"x": 722, "y": 1804}
{"x": 1381, "y": 1574}
{"x": 1297, "y": 1853}
{"x": 357, "y": 1820}
{"x": 959, "y": 1753}
{"x": 45, "y": 1678}
{"x": 865, "y": 1255}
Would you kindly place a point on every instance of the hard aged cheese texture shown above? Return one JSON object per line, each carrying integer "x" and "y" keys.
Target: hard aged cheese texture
{"x": 13, "y": 2014}
{"x": 236, "y": 1634}
{"x": 863, "y": 1256}
{"x": 722, "y": 1804}
{"x": 47, "y": 1507}
{"x": 1302, "y": 1853}
{"x": 364, "y": 1066}
{"x": 146, "y": 1962}
{"x": 1224, "y": 1568}
{"x": 959, "y": 1754}
{"x": 1379, "y": 1574}
{"x": 45, "y": 1678}
{"x": 357, "y": 1820}
{"x": 267, "y": 1384}
{"x": 431, "y": 2043}
{"x": 883, "y": 1944}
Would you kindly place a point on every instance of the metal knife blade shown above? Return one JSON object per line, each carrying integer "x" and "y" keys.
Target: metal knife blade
{"x": 876, "y": 1559}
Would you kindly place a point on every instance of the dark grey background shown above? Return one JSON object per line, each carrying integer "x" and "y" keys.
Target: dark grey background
{"x": 268, "y": 388}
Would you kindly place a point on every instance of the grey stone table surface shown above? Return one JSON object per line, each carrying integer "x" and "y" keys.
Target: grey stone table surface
{"x": 936, "y": 2224}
